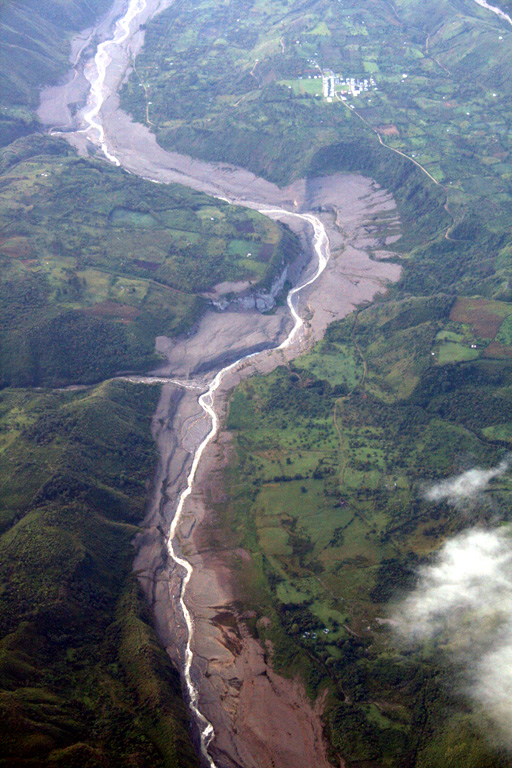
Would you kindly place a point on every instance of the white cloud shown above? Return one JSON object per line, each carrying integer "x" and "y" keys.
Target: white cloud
{"x": 464, "y": 601}
{"x": 466, "y": 486}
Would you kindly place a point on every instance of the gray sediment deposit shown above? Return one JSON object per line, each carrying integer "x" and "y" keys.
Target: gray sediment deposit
{"x": 259, "y": 719}
{"x": 240, "y": 693}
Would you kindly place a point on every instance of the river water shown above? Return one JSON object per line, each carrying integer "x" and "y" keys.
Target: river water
{"x": 97, "y": 73}
{"x": 501, "y": 14}
{"x": 104, "y": 73}
{"x": 207, "y": 403}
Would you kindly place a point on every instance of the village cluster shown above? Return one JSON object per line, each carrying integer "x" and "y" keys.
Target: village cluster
{"x": 352, "y": 86}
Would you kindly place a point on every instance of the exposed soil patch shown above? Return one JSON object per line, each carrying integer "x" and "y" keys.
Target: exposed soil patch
{"x": 111, "y": 309}
{"x": 497, "y": 350}
{"x": 479, "y": 314}
{"x": 388, "y": 130}
{"x": 16, "y": 248}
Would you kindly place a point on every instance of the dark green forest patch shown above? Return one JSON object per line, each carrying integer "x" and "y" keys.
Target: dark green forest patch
{"x": 83, "y": 678}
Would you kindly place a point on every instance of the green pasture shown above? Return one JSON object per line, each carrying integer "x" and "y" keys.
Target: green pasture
{"x": 321, "y": 29}
{"x": 303, "y": 86}
{"x": 504, "y": 335}
{"x": 339, "y": 364}
{"x": 340, "y": 543}
{"x": 119, "y": 260}
{"x": 455, "y": 353}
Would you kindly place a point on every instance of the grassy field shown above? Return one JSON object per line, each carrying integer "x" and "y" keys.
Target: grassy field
{"x": 326, "y": 494}
{"x": 96, "y": 263}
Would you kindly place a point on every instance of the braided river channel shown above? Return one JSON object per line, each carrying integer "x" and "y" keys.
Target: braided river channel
{"x": 330, "y": 216}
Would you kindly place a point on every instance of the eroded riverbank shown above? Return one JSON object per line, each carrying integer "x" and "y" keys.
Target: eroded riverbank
{"x": 240, "y": 693}
{"x": 258, "y": 718}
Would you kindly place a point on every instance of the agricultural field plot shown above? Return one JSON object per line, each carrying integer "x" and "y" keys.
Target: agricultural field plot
{"x": 340, "y": 364}
{"x": 475, "y": 327}
{"x": 311, "y": 86}
{"x": 91, "y": 251}
{"x": 129, "y": 228}
{"x": 243, "y": 77}
{"x": 327, "y": 494}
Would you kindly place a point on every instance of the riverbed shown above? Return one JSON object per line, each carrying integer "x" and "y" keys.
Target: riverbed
{"x": 246, "y": 714}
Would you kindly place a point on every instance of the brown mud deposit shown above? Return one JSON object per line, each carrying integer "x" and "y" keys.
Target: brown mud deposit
{"x": 260, "y": 719}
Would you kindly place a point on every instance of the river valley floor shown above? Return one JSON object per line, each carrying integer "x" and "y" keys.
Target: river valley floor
{"x": 260, "y": 719}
